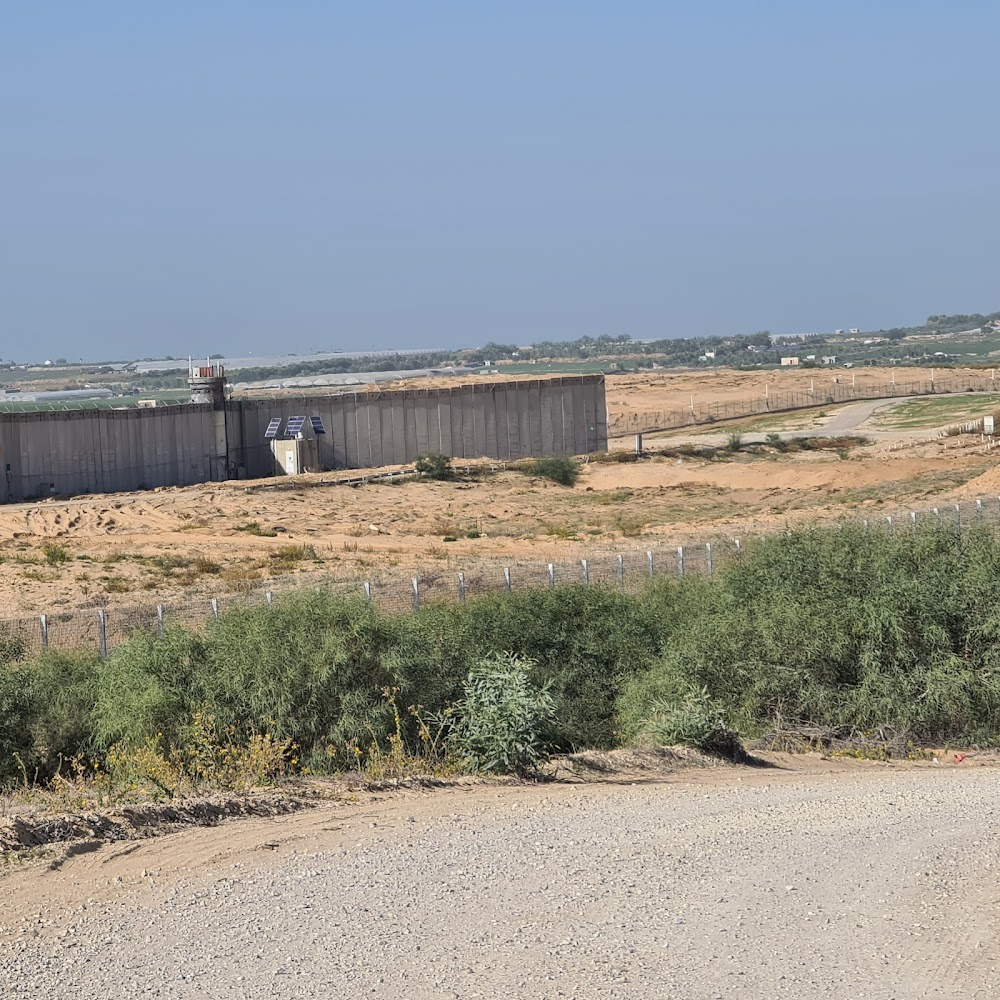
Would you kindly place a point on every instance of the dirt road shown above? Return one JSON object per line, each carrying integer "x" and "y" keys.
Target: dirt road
{"x": 875, "y": 883}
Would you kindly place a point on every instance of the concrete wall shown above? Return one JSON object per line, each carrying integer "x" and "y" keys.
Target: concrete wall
{"x": 503, "y": 420}
{"x": 109, "y": 451}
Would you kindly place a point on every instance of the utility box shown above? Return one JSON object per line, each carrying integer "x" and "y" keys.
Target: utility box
{"x": 294, "y": 456}
{"x": 297, "y": 450}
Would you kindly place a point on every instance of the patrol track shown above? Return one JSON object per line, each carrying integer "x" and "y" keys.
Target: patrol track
{"x": 879, "y": 883}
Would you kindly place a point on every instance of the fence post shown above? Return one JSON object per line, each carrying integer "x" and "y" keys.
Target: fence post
{"x": 44, "y": 620}
{"x": 958, "y": 518}
{"x": 937, "y": 513}
{"x": 979, "y": 510}
{"x": 736, "y": 542}
{"x": 649, "y": 562}
{"x": 680, "y": 560}
{"x": 621, "y": 571}
{"x": 102, "y": 633}
{"x": 159, "y": 620}
{"x": 215, "y": 608}
{"x": 888, "y": 521}
{"x": 586, "y": 572}
{"x": 552, "y": 576}
{"x": 866, "y": 526}
{"x": 269, "y": 597}
{"x": 416, "y": 594}
{"x": 638, "y": 444}
{"x": 461, "y": 587}
{"x": 368, "y": 592}
{"x": 506, "y": 578}
{"x": 913, "y": 520}
{"x": 708, "y": 557}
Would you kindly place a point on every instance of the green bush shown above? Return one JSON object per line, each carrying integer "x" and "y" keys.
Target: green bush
{"x": 55, "y": 553}
{"x": 560, "y": 469}
{"x": 692, "y": 721}
{"x": 45, "y": 713}
{"x": 500, "y": 723}
{"x": 433, "y": 465}
{"x": 835, "y": 628}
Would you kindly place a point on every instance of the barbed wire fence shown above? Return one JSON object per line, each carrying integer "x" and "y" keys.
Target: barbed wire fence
{"x": 103, "y": 628}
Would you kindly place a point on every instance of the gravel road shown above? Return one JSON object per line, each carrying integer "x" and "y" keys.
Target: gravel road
{"x": 874, "y": 883}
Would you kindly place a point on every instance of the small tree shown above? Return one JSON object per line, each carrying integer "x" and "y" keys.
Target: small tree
{"x": 434, "y": 465}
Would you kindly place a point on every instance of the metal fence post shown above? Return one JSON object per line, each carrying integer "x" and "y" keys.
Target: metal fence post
{"x": 680, "y": 560}
{"x": 215, "y": 608}
{"x": 416, "y": 594}
{"x": 506, "y": 578}
{"x": 552, "y": 575}
{"x": 888, "y": 521}
{"x": 586, "y": 572}
{"x": 649, "y": 563}
{"x": 102, "y": 633}
{"x": 958, "y": 518}
{"x": 368, "y": 592}
{"x": 979, "y": 510}
{"x": 708, "y": 558}
{"x": 461, "y": 587}
{"x": 621, "y": 572}
{"x": 44, "y": 620}
{"x": 159, "y": 620}
{"x": 736, "y": 542}
{"x": 913, "y": 520}
{"x": 866, "y": 525}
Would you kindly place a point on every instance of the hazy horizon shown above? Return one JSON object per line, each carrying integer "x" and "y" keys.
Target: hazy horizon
{"x": 244, "y": 178}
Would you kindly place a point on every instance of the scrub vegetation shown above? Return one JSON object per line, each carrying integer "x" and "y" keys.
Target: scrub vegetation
{"x": 831, "y": 631}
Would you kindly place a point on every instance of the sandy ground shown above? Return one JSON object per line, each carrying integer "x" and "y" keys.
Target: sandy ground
{"x": 166, "y": 544}
{"x": 669, "y": 390}
{"x": 807, "y": 879}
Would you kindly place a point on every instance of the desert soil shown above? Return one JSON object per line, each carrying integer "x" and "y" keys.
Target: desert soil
{"x": 168, "y": 544}
{"x": 805, "y": 880}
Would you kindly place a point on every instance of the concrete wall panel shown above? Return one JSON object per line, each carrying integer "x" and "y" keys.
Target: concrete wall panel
{"x": 83, "y": 451}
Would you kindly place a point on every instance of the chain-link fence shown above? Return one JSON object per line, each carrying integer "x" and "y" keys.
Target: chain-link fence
{"x": 823, "y": 393}
{"x": 102, "y": 629}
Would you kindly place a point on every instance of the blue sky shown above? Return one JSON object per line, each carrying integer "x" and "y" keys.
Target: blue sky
{"x": 233, "y": 177}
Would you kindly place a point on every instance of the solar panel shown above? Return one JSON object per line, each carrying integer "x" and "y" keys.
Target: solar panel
{"x": 318, "y": 427}
{"x": 272, "y": 428}
{"x": 294, "y": 425}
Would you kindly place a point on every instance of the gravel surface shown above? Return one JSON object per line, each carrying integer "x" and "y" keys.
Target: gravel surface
{"x": 874, "y": 884}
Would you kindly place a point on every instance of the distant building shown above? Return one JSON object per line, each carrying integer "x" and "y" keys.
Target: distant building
{"x": 786, "y": 362}
{"x": 838, "y": 333}
{"x": 829, "y": 359}
{"x": 854, "y": 329}
{"x": 710, "y": 355}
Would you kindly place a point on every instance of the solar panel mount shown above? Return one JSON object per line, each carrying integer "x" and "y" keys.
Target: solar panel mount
{"x": 317, "y": 423}
{"x": 294, "y": 425}
{"x": 272, "y": 428}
